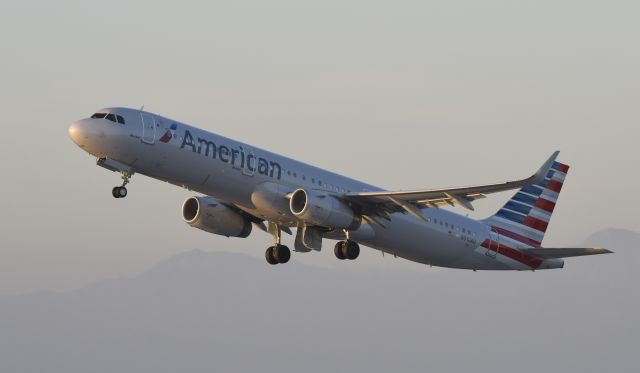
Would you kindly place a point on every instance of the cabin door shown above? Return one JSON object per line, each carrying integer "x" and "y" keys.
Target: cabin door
{"x": 148, "y": 129}
{"x": 494, "y": 244}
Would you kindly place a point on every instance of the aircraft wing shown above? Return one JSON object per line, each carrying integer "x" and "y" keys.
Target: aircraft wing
{"x": 550, "y": 253}
{"x": 381, "y": 204}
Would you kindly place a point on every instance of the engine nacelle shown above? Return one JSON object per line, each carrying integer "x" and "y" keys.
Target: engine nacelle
{"x": 323, "y": 210}
{"x": 213, "y": 216}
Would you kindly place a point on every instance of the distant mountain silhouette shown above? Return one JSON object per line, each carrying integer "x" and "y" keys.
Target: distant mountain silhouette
{"x": 216, "y": 311}
{"x": 615, "y": 239}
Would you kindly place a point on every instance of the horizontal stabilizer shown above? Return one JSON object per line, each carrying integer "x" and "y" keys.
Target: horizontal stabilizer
{"x": 549, "y": 253}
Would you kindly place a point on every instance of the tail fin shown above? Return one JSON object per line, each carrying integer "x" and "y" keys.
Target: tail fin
{"x": 526, "y": 216}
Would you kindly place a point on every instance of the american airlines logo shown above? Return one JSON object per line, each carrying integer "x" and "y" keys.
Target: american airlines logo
{"x": 171, "y": 133}
{"x": 228, "y": 154}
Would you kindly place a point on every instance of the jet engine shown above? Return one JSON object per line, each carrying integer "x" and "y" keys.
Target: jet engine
{"x": 316, "y": 208}
{"x": 213, "y": 216}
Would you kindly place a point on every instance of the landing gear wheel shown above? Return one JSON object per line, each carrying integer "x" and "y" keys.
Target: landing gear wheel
{"x": 269, "y": 255}
{"x": 119, "y": 192}
{"x": 282, "y": 254}
{"x": 351, "y": 250}
{"x": 122, "y": 192}
{"x": 338, "y": 250}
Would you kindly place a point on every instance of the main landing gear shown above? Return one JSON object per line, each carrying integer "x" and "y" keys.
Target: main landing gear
{"x": 278, "y": 254}
{"x": 121, "y": 191}
{"x": 347, "y": 250}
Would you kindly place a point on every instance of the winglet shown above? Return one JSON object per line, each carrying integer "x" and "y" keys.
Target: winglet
{"x": 540, "y": 175}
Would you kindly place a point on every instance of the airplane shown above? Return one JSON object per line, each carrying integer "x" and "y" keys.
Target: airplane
{"x": 243, "y": 186}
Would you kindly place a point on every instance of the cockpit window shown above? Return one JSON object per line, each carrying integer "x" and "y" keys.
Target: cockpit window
{"x": 112, "y": 117}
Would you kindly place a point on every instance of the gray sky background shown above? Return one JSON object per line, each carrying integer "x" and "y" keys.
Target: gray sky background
{"x": 403, "y": 94}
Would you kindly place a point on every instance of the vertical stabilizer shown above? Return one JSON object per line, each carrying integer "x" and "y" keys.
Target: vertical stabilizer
{"x": 525, "y": 218}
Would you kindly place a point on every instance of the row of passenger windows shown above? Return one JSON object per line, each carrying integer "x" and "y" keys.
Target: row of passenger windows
{"x": 112, "y": 117}
{"x": 319, "y": 182}
{"x": 446, "y": 224}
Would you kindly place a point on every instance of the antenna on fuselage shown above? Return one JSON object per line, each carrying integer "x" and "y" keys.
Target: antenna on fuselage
{"x": 142, "y": 107}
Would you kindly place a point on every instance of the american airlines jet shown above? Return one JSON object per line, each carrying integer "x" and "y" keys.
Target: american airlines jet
{"x": 243, "y": 186}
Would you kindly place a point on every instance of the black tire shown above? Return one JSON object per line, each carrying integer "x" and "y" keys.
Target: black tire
{"x": 338, "y": 250}
{"x": 122, "y": 192}
{"x": 282, "y": 254}
{"x": 352, "y": 250}
{"x": 271, "y": 259}
{"x": 114, "y": 192}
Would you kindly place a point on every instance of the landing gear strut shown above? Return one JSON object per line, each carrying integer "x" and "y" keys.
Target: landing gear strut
{"x": 121, "y": 191}
{"x": 347, "y": 249}
{"x": 278, "y": 254}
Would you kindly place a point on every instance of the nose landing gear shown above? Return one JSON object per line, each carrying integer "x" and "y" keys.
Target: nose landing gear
{"x": 121, "y": 191}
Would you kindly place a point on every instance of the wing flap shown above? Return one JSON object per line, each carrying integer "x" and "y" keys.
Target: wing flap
{"x": 555, "y": 253}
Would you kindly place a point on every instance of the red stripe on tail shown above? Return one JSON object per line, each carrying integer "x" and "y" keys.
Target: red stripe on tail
{"x": 534, "y": 223}
{"x": 517, "y": 255}
{"x": 517, "y": 237}
{"x": 563, "y": 168}
{"x": 554, "y": 185}
{"x": 545, "y": 205}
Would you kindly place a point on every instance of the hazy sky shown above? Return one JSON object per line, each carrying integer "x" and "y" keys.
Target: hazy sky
{"x": 402, "y": 94}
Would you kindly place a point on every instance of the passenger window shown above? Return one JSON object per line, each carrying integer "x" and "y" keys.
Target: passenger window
{"x": 111, "y": 117}
{"x": 99, "y": 115}
{"x": 120, "y": 119}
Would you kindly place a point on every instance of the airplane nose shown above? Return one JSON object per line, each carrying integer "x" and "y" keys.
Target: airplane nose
{"x": 78, "y": 133}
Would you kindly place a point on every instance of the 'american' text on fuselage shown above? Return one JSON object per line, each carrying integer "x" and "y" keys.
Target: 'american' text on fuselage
{"x": 232, "y": 155}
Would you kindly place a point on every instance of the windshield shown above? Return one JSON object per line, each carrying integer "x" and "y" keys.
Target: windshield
{"x": 109, "y": 116}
